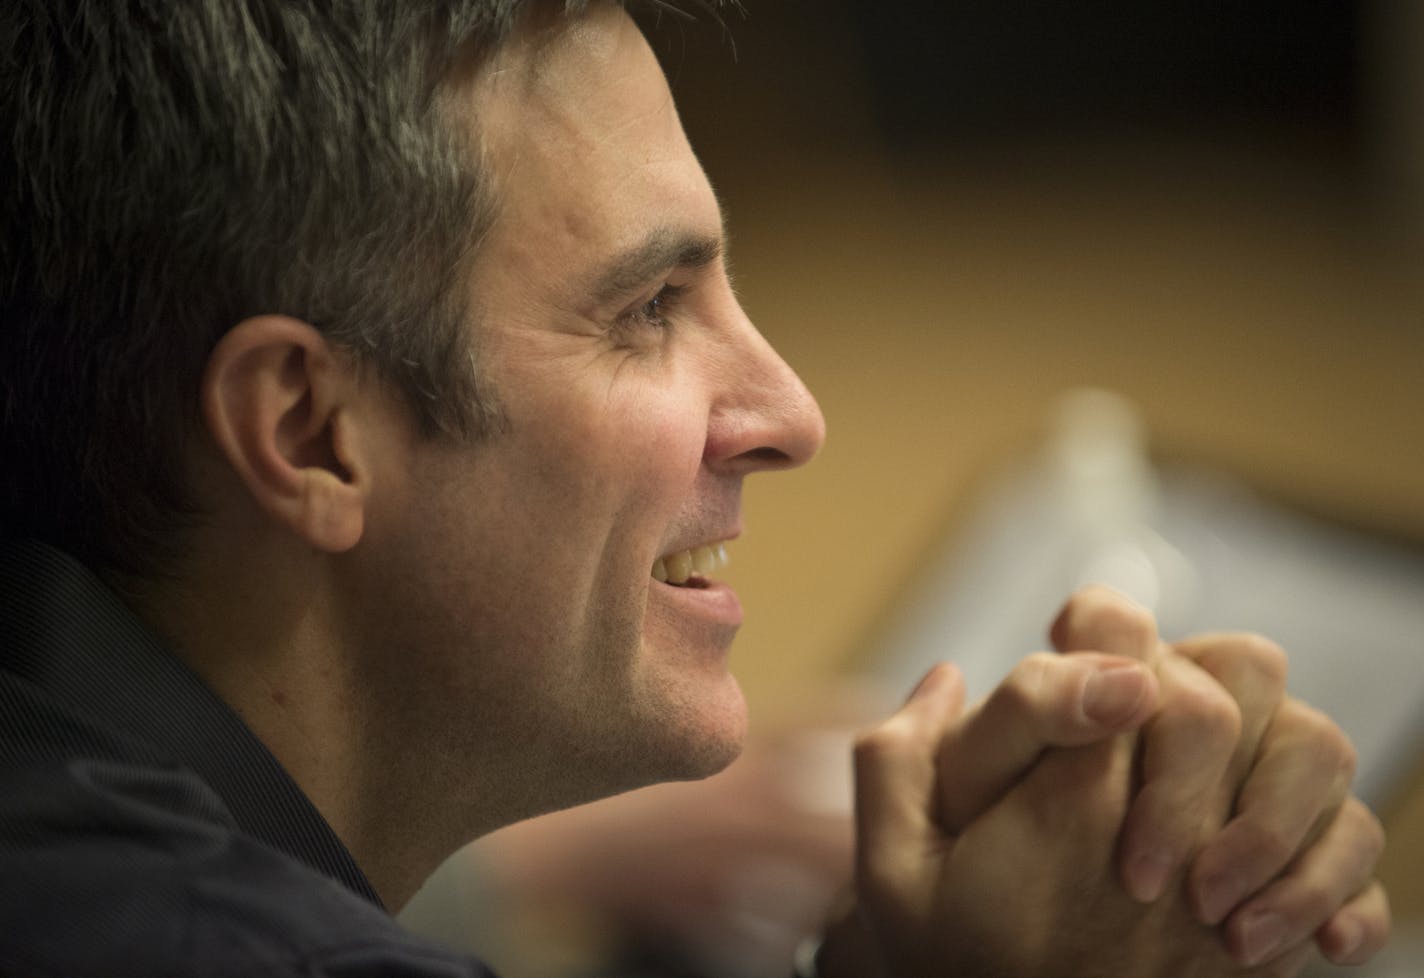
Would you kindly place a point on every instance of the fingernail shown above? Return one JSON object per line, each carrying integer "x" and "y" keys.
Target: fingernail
{"x": 1219, "y": 895}
{"x": 1112, "y": 696}
{"x": 1147, "y": 874}
{"x": 1261, "y": 937}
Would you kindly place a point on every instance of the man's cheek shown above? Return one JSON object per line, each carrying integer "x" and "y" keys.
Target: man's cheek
{"x": 675, "y": 441}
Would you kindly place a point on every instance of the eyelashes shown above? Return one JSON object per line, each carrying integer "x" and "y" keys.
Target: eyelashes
{"x": 655, "y": 311}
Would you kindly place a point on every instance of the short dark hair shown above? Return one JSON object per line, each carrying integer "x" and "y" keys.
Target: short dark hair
{"x": 175, "y": 167}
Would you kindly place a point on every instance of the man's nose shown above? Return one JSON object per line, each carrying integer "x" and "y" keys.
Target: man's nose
{"x": 765, "y": 419}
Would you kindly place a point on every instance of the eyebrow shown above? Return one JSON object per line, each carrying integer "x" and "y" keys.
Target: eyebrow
{"x": 661, "y": 251}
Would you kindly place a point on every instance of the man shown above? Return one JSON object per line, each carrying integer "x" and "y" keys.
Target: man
{"x": 376, "y": 408}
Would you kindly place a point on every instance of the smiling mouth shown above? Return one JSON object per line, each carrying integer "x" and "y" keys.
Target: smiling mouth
{"x": 690, "y": 568}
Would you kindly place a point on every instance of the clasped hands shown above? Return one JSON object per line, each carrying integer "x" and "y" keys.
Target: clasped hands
{"x": 1127, "y": 809}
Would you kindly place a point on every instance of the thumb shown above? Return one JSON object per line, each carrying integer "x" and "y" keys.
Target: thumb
{"x": 895, "y": 784}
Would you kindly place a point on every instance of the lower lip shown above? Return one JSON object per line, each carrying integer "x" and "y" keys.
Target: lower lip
{"x": 715, "y": 602}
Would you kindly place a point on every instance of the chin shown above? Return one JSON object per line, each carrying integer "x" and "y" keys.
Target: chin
{"x": 712, "y": 755}
{"x": 696, "y": 736}
{"x": 663, "y": 738}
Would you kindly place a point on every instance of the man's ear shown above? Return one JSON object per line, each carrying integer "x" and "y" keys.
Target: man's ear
{"x": 276, "y": 399}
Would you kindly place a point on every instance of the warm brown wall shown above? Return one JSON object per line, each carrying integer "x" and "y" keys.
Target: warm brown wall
{"x": 1236, "y": 282}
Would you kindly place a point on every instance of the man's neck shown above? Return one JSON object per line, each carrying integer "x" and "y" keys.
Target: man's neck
{"x": 264, "y": 642}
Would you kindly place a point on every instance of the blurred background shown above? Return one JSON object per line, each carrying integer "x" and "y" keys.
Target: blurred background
{"x": 1113, "y": 291}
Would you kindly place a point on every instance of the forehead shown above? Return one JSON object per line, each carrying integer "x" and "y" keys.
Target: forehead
{"x": 577, "y": 76}
{"x": 583, "y": 143}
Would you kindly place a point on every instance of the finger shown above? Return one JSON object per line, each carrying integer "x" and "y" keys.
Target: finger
{"x": 895, "y": 782}
{"x": 1189, "y": 748}
{"x": 1300, "y": 780}
{"x": 1358, "y": 930}
{"x": 1253, "y": 670}
{"x": 1046, "y": 701}
{"x": 1101, "y": 619}
{"x": 1327, "y": 876}
{"x": 1186, "y": 751}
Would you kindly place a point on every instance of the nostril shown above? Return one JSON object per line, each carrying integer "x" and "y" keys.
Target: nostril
{"x": 767, "y": 456}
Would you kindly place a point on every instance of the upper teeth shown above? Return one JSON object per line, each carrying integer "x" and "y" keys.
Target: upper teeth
{"x": 701, "y": 561}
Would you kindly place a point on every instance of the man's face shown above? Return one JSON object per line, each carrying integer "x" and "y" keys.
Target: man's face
{"x": 637, "y": 397}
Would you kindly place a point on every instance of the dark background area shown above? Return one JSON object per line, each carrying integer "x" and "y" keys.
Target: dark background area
{"x": 1022, "y": 68}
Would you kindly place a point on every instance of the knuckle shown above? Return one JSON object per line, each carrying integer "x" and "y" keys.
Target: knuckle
{"x": 1210, "y": 713}
{"x": 1274, "y": 847}
{"x": 1311, "y": 901}
{"x": 1131, "y": 626}
{"x": 1349, "y": 760}
{"x": 1265, "y": 845}
{"x": 1104, "y": 617}
{"x": 1324, "y": 739}
{"x": 1371, "y": 829}
{"x": 1118, "y": 618}
{"x": 1251, "y": 666}
{"x": 1318, "y": 901}
{"x": 1267, "y": 660}
{"x": 888, "y": 739}
{"x": 1027, "y": 684}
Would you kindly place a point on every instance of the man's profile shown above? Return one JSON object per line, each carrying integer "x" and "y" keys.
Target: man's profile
{"x": 376, "y": 409}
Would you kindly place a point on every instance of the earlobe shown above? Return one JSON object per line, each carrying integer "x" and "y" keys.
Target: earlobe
{"x": 276, "y": 402}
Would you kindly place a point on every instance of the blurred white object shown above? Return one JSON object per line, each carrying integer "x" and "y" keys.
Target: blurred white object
{"x": 1203, "y": 553}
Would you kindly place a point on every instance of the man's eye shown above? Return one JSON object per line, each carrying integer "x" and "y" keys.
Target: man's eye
{"x": 655, "y": 311}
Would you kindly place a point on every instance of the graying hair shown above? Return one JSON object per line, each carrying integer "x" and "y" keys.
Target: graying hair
{"x": 176, "y": 167}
